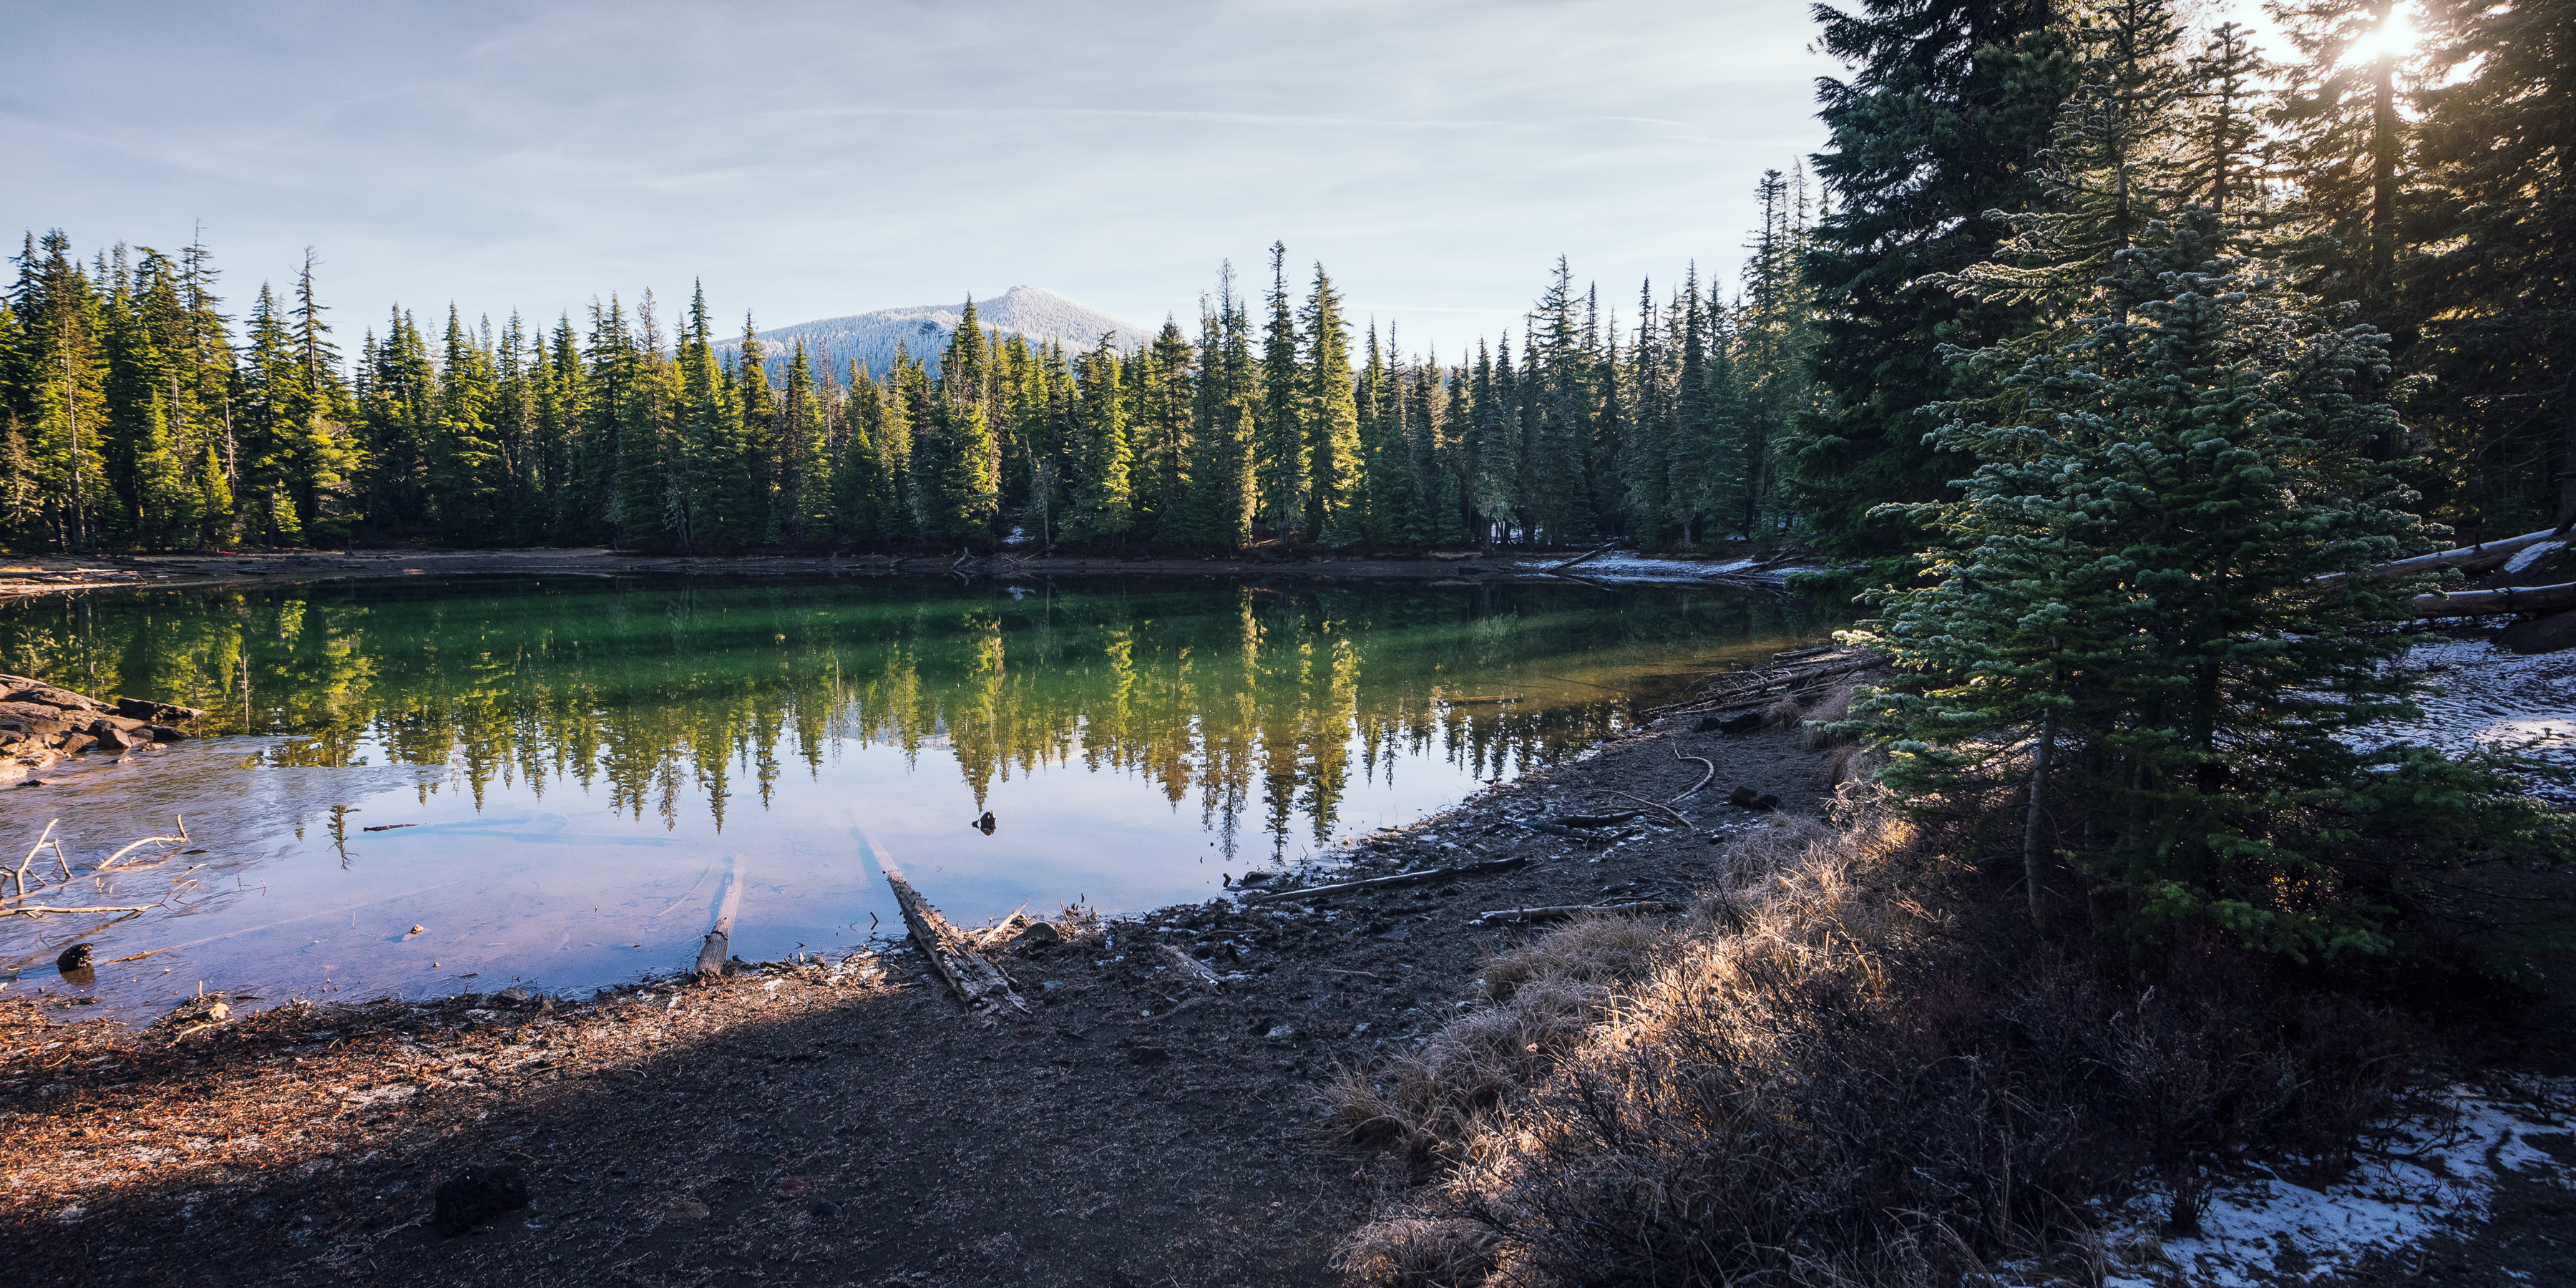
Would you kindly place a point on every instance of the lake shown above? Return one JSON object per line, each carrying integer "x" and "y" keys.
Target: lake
{"x": 554, "y": 778}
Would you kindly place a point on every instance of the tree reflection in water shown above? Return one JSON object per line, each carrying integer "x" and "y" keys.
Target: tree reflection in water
{"x": 674, "y": 694}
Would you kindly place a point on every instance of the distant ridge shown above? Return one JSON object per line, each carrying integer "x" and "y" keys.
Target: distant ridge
{"x": 1040, "y": 316}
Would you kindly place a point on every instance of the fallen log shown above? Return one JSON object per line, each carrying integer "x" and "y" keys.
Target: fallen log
{"x": 2477, "y": 558}
{"x": 950, "y": 951}
{"x": 712, "y": 953}
{"x": 1377, "y": 883}
{"x": 1524, "y": 916}
{"x": 1588, "y": 554}
{"x": 2511, "y": 599}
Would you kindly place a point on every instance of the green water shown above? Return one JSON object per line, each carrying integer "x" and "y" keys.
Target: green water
{"x": 585, "y": 764}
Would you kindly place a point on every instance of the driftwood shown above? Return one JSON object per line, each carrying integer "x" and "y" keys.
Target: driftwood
{"x": 712, "y": 953}
{"x": 32, "y": 910}
{"x": 950, "y": 951}
{"x": 1377, "y": 883}
{"x": 1524, "y": 916}
{"x": 1704, "y": 779}
{"x": 2511, "y": 599}
{"x": 2477, "y": 558}
{"x": 1196, "y": 971}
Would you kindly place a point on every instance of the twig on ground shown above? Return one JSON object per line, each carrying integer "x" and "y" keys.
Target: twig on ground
{"x": 1704, "y": 779}
{"x": 38, "y": 908}
{"x": 1677, "y": 814}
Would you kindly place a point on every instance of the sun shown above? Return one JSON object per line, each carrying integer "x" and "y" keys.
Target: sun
{"x": 2395, "y": 38}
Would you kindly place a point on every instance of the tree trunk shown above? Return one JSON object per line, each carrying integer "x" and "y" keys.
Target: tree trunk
{"x": 2030, "y": 847}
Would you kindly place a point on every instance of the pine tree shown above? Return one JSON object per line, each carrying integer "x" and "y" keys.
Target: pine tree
{"x": 2491, "y": 280}
{"x": 1102, "y": 509}
{"x": 1942, "y": 125}
{"x": 1390, "y": 483}
{"x": 805, "y": 489}
{"x": 1161, "y": 417}
{"x": 1223, "y": 412}
{"x": 2132, "y": 575}
{"x": 1280, "y": 443}
{"x": 1493, "y": 445}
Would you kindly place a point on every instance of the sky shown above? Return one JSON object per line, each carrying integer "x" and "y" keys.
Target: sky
{"x": 813, "y": 160}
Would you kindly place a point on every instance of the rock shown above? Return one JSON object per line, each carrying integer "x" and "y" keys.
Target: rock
{"x": 74, "y": 743}
{"x": 680, "y": 1209}
{"x": 164, "y": 733}
{"x": 1732, "y": 725}
{"x": 826, "y": 1209}
{"x": 110, "y": 738}
{"x": 1743, "y": 797}
{"x": 2540, "y": 634}
{"x": 155, "y": 712}
{"x": 73, "y": 958}
{"x": 62, "y": 698}
{"x": 1147, "y": 1055}
{"x": 514, "y": 995}
{"x": 1281, "y": 1033}
{"x": 1040, "y": 934}
{"x": 477, "y": 1194}
{"x": 34, "y": 719}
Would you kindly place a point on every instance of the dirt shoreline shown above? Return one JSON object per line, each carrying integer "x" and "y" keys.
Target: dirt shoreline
{"x": 22, "y": 575}
{"x": 842, "y": 1122}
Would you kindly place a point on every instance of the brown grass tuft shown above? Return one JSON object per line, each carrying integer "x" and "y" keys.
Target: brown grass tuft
{"x": 1844, "y": 1068}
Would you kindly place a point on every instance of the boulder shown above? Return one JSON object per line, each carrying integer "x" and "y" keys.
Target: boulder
{"x": 34, "y": 718}
{"x": 53, "y": 697}
{"x": 111, "y": 738}
{"x": 73, "y": 958}
{"x": 164, "y": 733}
{"x": 155, "y": 712}
{"x": 2540, "y": 634}
{"x": 475, "y": 1195}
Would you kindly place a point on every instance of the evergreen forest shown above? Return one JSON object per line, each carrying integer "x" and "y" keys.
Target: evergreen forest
{"x": 1988, "y": 166}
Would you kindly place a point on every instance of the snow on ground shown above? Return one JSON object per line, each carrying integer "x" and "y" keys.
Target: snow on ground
{"x": 2432, "y": 1173}
{"x": 2479, "y": 694}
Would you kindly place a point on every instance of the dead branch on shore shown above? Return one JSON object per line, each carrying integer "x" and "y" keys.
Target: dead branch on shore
{"x": 38, "y": 909}
{"x": 1198, "y": 972}
{"x": 1525, "y": 916}
{"x": 1677, "y": 814}
{"x": 1377, "y": 883}
{"x": 1704, "y": 780}
{"x": 950, "y": 951}
{"x": 1588, "y": 554}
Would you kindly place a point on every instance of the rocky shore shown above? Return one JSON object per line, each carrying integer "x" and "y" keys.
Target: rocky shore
{"x": 41, "y": 723}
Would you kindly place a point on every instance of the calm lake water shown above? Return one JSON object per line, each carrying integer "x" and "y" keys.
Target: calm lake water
{"x": 555, "y": 778}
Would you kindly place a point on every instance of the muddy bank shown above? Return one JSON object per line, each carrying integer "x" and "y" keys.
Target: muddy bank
{"x": 845, "y": 1120}
{"x": 41, "y": 574}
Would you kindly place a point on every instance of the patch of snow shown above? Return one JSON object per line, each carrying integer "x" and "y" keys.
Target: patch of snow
{"x": 2433, "y": 1174}
{"x": 2479, "y": 695}
{"x": 2529, "y": 555}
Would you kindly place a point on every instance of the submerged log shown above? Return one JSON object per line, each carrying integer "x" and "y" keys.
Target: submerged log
{"x": 950, "y": 951}
{"x": 1377, "y": 883}
{"x": 712, "y": 953}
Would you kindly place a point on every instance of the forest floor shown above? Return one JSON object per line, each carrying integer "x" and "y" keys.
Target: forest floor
{"x": 840, "y": 1122}
{"x": 47, "y": 573}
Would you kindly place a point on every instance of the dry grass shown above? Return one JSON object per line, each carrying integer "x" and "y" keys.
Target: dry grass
{"x": 1842, "y": 1069}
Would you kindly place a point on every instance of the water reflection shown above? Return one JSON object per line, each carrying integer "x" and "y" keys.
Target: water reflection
{"x": 549, "y": 776}
{"x": 1247, "y": 700}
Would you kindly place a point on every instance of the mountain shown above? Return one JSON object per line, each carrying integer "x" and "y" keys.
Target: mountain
{"x": 1041, "y": 316}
